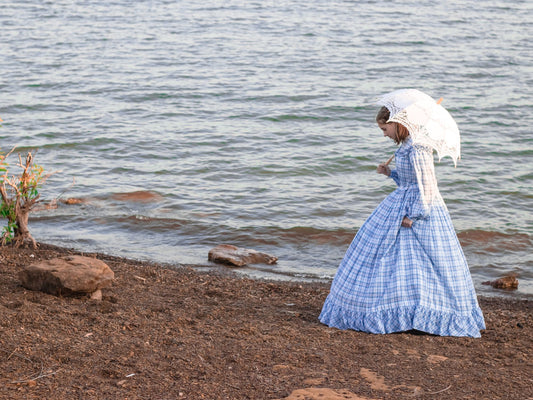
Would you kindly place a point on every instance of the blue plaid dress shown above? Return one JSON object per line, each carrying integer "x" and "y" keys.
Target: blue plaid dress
{"x": 396, "y": 279}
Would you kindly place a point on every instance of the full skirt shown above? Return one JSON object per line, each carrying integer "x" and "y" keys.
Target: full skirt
{"x": 396, "y": 279}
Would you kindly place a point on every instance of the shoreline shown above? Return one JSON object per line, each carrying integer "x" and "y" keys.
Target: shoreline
{"x": 263, "y": 272}
{"x": 173, "y": 332}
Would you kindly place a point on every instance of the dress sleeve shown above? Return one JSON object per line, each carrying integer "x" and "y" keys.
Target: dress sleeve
{"x": 421, "y": 159}
{"x": 394, "y": 176}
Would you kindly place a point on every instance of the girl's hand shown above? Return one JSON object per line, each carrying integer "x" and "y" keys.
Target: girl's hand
{"x": 406, "y": 222}
{"x": 383, "y": 169}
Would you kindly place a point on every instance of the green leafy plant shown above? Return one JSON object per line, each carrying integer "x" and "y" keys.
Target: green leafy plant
{"x": 19, "y": 194}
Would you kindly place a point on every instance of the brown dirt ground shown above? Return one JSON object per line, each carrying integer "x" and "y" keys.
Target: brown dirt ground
{"x": 163, "y": 332}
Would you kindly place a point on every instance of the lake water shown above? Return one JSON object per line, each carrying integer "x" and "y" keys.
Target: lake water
{"x": 252, "y": 123}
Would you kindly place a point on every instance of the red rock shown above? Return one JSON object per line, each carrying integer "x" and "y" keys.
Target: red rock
{"x": 507, "y": 282}
{"x": 229, "y": 254}
{"x": 74, "y": 200}
{"x": 323, "y": 394}
{"x": 67, "y": 275}
{"x": 142, "y": 196}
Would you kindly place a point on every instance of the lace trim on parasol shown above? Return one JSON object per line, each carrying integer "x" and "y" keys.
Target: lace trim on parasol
{"x": 421, "y": 135}
{"x": 426, "y": 120}
{"x": 399, "y": 99}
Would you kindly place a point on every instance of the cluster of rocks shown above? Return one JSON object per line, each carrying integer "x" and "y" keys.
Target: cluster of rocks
{"x": 78, "y": 274}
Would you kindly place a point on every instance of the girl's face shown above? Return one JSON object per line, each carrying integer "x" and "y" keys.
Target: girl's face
{"x": 389, "y": 130}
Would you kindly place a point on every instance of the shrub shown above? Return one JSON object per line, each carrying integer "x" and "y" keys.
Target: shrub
{"x": 19, "y": 195}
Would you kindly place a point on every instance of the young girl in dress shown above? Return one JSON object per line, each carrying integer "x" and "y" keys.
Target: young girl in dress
{"x": 405, "y": 269}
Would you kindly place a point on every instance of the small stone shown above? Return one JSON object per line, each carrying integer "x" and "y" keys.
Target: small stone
{"x": 96, "y": 295}
{"x": 74, "y": 200}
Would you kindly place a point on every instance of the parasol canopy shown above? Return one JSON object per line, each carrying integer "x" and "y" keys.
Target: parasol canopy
{"x": 428, "y": 122}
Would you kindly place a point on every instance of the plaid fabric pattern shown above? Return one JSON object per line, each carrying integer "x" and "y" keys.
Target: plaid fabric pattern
{"x": 395, "y": 279}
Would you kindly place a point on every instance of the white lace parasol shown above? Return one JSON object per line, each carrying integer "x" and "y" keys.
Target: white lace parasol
{"x": 428, "y": 122}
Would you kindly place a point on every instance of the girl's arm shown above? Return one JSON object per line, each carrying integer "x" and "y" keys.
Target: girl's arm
{"x": 384, "y": 169}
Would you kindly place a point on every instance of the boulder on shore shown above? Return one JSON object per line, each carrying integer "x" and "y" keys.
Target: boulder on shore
{"x": 67, "y": 275}
{"x": 229, "y": 254}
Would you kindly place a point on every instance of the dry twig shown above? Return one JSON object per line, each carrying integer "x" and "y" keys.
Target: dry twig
{"x": 440, "y": 391}
{"x": 41, "y": 375}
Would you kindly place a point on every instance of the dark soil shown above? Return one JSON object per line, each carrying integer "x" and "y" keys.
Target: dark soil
{"x": 178, "y": 333}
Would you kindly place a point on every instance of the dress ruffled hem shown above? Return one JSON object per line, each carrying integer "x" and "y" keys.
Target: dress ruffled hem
{"x": 404, "y": 318}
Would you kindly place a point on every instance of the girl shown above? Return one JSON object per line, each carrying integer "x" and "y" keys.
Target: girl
{"x": 405, "y": 269}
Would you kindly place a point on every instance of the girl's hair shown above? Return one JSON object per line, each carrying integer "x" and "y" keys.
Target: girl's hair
{"x": 401, "y": 131}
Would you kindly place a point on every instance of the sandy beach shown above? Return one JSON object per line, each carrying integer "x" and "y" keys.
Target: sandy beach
{"x": 163, "y": 332}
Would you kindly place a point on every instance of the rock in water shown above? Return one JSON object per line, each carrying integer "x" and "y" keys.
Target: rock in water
{"x": 66, "y": 275}
{"x": 507, "y": 282}
{"x": 229, "y": 254}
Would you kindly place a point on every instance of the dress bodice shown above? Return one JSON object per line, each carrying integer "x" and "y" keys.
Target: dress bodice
{"x": 406, "y": 174}
{"x": 415, "y": 173}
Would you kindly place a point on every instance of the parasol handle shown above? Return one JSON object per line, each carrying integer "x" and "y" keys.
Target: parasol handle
{"x": 389, "y": 160}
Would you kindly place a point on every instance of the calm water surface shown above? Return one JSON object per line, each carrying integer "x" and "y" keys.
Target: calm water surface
{"x": 251, "y": 123}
